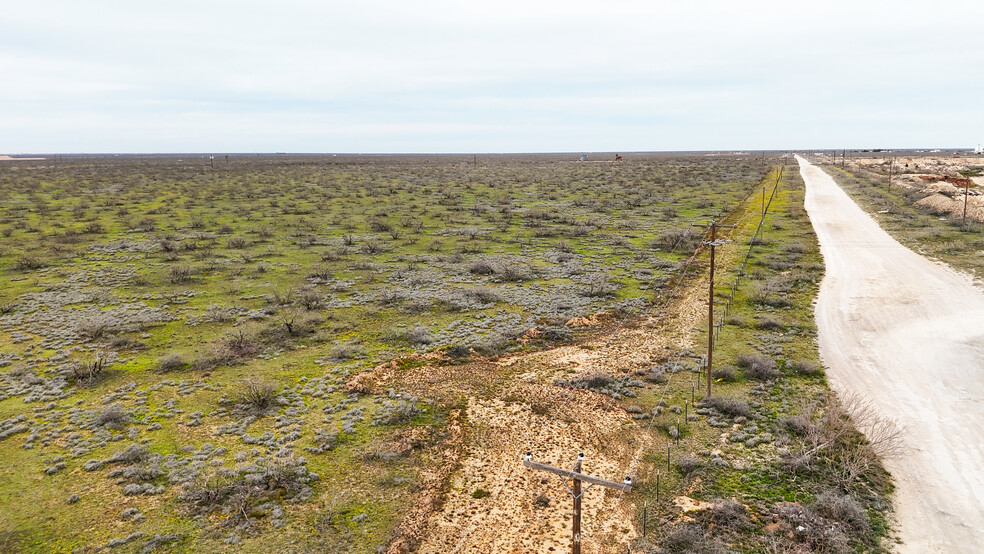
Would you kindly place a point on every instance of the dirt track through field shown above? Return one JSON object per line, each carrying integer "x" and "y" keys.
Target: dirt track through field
{"x": 908, "y": 334}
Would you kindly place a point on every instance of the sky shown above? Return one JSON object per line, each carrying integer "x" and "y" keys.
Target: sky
{"x": 502, "y": 76}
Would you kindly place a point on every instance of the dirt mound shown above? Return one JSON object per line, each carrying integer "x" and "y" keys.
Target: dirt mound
{"x": 945, "y": 205}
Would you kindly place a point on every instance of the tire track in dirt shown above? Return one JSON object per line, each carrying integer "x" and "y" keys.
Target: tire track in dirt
{"x": 907, "y": 334}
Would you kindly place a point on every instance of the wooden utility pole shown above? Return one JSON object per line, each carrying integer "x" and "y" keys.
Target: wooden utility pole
{"x": 575, "y": 491}
{"x": 713, "y": 243}
{"x": 891, "y": 172}
{"x": 963, "y": 222}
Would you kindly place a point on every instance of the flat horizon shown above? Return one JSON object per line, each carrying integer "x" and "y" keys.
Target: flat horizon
{"x": 746, "y": 151}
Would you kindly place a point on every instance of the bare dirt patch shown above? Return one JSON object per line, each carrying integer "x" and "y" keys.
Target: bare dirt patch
{"x": 494, "y": 504}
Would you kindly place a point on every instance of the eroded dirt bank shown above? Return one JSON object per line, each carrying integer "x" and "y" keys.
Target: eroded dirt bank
{"x": 908, "y": 334}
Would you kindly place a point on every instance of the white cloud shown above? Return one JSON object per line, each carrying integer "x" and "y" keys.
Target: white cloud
{"x": 518, "y": 75}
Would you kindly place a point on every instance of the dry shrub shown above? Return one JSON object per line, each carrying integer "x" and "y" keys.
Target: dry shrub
{"x": 726, "y": 405}
{"x": 685, "y": 240}
{"x": 806, "y": 367}
{"x": 112, "y": 417}
{"x": 757, "y": 366}
{"x": 803, "y": 526}
{"x": 772, "y": 292}
{"x": 845, "y": 509}
{"x": 769, "y": 324}
{"x": 179, "y": 275}
{"x": 730, "y": 515}
{"x": 834, "y": 443}
{"x": 28, "y": 263}
{"x": 485, "y": 295}
{"x": 348, "y": 351}
{"x": 693, "y": 539}
{"x": 311, "y": 300}
{"x": 687, "y": 464}
{"x": 684, "y": 538}
{"x": 236, "y": 497}
{"x": 481, "y": 267}
{"x": 726, "y": 373}
{"x": 419, "y": 335}
{"x": 173, "y": 362}
{"x": 87, "y": 372}
{"x": 257, "y": 397}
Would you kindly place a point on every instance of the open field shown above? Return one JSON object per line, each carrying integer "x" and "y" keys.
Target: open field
{"x": 350, "y": 353}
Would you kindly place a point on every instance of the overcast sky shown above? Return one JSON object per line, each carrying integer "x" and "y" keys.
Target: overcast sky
{"x": 501, "y": 76}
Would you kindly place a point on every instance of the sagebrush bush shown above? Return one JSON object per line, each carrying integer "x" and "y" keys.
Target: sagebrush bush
{"x": 806, "y": 367}
{"x": 395, "y": 413}
{"x": 347, "y": 351}
{"x": 758, "y": 367}
{"x": 126, "y": 343}
{"x": 798, "y": 424}
{"x": 112, "y": 417}
{"x": 772, "y": 292}
{"x": 769, "y": 324}
{"x": 173, "y": 362}
{"x": 616, "y": 387}
{"x": 459, "y": 351}
{"x": 419, "y": 336}
{"x": 726, "y": 405}
{"x": 726, "y": 373}
{"x": 485, "y": 295}
{"x": 687, "y": 464}
{"x": 685, "y": 239}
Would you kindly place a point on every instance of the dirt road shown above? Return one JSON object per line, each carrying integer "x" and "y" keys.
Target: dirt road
{"x": 908, "y": 334}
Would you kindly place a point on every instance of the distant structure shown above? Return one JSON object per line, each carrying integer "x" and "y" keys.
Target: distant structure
{"x": 584, "y": 157}
{"x": 978, "y": 150}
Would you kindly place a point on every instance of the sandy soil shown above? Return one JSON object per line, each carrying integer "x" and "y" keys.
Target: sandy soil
{"x": 512, "y": 406}
{"x": 907, "y": 334}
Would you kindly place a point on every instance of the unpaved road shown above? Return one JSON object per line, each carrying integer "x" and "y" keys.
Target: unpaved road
{"x": 908, "y": 334}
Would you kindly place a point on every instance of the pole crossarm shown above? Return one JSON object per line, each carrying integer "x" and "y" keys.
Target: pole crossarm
{"x": 579, "y": 476}
{"x": 717, "y": 242}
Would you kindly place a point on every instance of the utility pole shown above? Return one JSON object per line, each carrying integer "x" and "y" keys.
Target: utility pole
{"x": 963, "y": 222}
{"x": 891, "y": 172}
{"x": 713, "y": 243}
{"x": 576, "y": 492}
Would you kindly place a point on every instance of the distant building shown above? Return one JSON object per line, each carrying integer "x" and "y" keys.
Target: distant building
{"x": 978, "y": 150}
